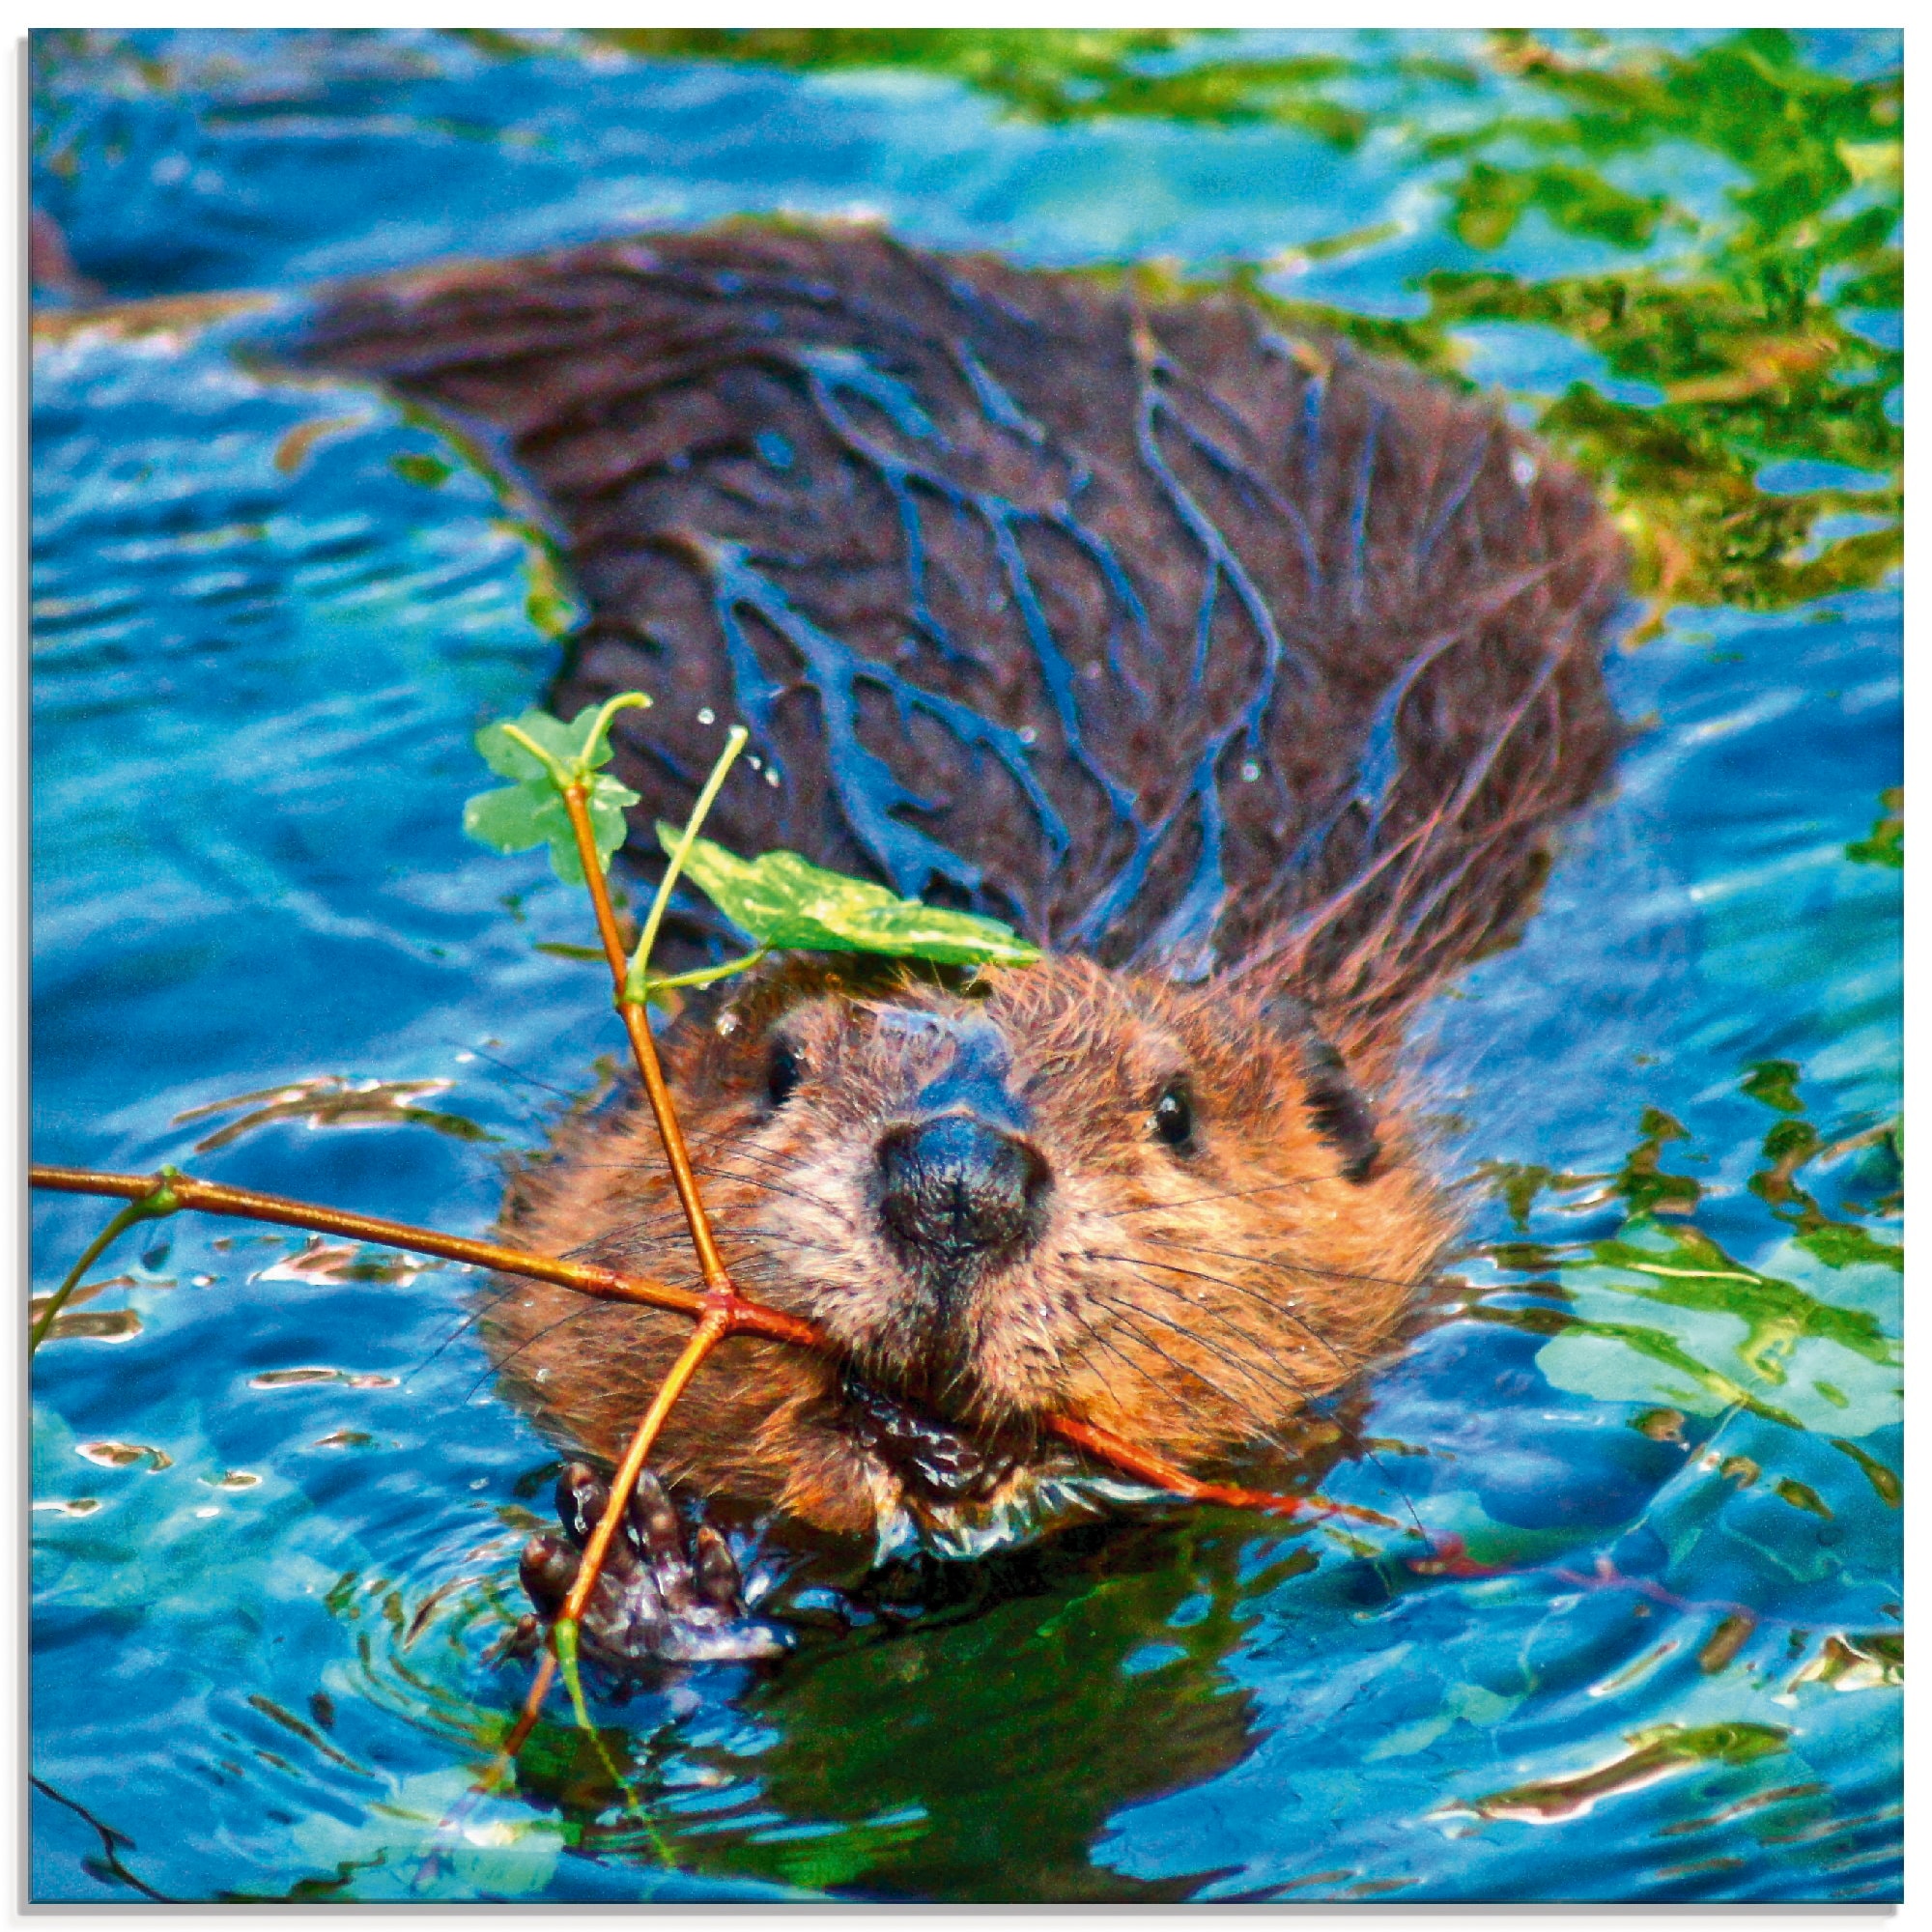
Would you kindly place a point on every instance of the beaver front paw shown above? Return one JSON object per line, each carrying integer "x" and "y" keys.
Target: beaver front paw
{"x": 657, "y": 1601}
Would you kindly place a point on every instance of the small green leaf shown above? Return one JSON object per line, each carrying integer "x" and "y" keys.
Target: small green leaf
{"x": 533, "y": 814}
{"x": 533, "y": 811}
{"x": 509, "y": 759}
{"x": 511, "y": 820}
{"x": 784, "y": 900}
{"x": 568, "y": 743}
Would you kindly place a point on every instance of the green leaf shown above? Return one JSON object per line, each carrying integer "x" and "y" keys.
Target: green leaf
{"x": 567, "y": 744}
{"x": 533, "y": 811}
{"x": 784, "y": 900}
{"x": 520, "y": 816}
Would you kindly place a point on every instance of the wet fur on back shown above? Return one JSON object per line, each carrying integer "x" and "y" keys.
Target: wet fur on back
{"x": 1171, "y": 639}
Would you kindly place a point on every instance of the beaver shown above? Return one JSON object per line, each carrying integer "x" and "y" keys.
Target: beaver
{"x": 1249, "y": 675}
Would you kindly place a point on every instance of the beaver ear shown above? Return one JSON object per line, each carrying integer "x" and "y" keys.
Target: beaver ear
{"x": 1341, "y": 1112}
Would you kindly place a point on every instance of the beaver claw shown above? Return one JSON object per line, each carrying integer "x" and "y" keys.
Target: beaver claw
{"x": 657, "y": 1601}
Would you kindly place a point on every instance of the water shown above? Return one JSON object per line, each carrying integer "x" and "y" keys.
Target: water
{"x": 1659, "y": 1408}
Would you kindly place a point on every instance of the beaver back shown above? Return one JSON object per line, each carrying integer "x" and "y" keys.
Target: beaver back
{"x": 1169, "y": 637}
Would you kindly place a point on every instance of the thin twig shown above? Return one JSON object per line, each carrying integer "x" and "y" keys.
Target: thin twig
{"x": 708, "y": 1333}
{"x": 213, "y": 1197}
{"x": 160, "y": 1200}
{"x": 644, "y": 1049}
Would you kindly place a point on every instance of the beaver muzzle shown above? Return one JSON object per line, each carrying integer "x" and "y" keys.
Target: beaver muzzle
{"x": 957, "y": 1194}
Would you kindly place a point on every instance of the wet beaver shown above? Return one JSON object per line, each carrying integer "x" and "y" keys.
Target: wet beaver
{"x": 1248, "y": 675}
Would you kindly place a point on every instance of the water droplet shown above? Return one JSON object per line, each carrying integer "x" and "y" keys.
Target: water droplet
{"x": 1250, "y": 771}
{"x": 708, "y": 716}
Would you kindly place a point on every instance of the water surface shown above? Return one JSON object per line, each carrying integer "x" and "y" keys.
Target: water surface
{"x": 276, "y": 1502}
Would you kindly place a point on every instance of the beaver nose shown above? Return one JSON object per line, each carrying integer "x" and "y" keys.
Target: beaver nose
{"x": 956, "y": 1189}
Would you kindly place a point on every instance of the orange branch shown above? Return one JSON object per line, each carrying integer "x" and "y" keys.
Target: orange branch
{"x": 644, "y": 1049}
{"x": 211, "y": 1197}
{"x": 704, "y": 1338}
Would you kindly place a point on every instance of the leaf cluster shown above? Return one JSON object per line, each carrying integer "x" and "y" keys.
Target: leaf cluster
{"x": 780, "y": 900}
{"x": 532, "y": 750}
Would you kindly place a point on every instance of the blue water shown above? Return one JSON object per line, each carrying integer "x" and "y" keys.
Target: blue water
{"x": 262, "y": 1603}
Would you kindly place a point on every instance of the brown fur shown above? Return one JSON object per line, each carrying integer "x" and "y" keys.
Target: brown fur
{"x": 1237, "y": 664}
{"x": 1193, "y": 1303}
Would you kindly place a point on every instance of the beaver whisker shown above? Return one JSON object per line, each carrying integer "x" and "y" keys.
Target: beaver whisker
{"x": 652, "y": 1169}
{"x": 720, "y": 1172}
{"x": 1251, "y": 1371}
{"x": 498, "y": 1365}
{"x": 1287, "y": 1382}
{"x": 1207, "y": 1382}
{"x": 1351, "y": 1437}
{"x": 1146, "y": 1375}
{"x": 1265, "y": 1367}
{"x": 1154, "y": 1381}
{"x": 672, "y": 1230}
{"x": 654, "y": 1166}
{"x": 516, "y": 1072}
{"x": 456, "y": 1334}
{"x": 1350, "y": 1359}
{"x": 1409, "y": 1281}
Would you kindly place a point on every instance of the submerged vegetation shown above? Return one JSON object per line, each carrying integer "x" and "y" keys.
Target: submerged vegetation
{"x": 1752, "y": 329}
{"x": 1735, "y": 337}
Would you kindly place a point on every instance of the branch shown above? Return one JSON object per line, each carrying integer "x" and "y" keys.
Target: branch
{"x": 590, "y": 1566}
{"x": 738, "y": 1314}
{"x": 243, "y": 1203}
{"x": 717, "y": 1284}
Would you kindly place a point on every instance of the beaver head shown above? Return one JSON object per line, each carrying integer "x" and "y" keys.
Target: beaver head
{"x": 1051, "y": 1190}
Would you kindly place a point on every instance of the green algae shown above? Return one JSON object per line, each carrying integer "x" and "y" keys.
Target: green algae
{"x": 1746, "y": 321}
{"x": 1885, "y": 844}
{"x": 1716, "y": 1332}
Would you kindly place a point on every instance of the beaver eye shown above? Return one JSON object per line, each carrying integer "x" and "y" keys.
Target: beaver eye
{"x": 1174, "y": 1117}
{"x": 783, "y": 1073}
